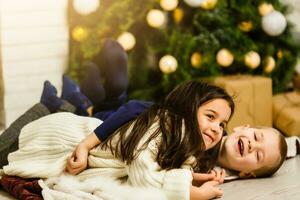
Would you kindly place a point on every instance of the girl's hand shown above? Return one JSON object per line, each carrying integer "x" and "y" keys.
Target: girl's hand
{"x": 78, "y": 161}
{"x": 214, "y": 175}
{"x": 208, "y": 190}
{"x": 200, "y": 178}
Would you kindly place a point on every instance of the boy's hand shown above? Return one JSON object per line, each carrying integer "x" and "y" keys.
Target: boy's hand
{"x": 219, "y": 175}
{"x": 78, "y": 161}
{"x": 214, "y": 175}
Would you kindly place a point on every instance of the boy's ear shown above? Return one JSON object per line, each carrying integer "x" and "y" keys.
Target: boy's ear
{"x": 247, "y": 175}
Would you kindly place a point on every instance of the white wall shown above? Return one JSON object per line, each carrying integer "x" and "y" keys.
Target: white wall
{"x": 34, "y": 47}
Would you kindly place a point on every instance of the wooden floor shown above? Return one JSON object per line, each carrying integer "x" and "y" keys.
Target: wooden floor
{"x": 284, "y": 185}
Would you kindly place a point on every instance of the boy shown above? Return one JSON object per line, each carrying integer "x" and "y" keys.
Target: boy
{"x": 253, "y": 151}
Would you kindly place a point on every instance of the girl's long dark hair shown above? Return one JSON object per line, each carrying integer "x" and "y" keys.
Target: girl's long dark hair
{"x": 178, "y": 126}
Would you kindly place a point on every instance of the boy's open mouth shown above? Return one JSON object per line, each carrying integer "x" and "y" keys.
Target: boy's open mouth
{"x": 241, "y": 146}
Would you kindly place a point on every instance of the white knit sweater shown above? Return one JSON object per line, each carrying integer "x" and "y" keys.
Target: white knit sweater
{"x": 45, "y": 145}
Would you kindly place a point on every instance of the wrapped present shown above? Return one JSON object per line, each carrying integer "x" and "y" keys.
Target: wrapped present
{"x": 286, "y": 113}
{"x": 252, "y": 97}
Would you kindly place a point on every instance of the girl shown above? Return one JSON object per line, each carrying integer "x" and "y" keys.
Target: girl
{"x": 186, "y": 127}
{"x": 162, "y": 146}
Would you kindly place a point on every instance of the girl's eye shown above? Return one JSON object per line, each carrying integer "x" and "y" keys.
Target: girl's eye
{"x": 257, "y": 156}
{"x": 210, "y": 116}
{"x": 223, "y": 125}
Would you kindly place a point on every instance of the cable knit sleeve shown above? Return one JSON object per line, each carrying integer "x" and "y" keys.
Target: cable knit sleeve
{"x": 144, "y": 171}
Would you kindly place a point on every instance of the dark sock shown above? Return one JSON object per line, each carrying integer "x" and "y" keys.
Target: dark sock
{"x": 69, "y": 87}
{"x": 71, "y": 93}
{"x": 112, "y": 61}
{"x": 49, "y": 98}
{"x": 91, "y": 85}
{"x": 81, "y": 102}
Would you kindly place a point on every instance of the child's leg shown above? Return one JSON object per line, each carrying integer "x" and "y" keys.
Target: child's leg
{"x": 66, "y": 107}
{"x": 10, "y": 137}
{"x": 106, "y": 81}
{"x": 112, "y": 62}
{"x": 92, "y": 83}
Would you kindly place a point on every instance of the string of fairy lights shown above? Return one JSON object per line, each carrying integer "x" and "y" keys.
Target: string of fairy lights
{"x": 273, "y": 24}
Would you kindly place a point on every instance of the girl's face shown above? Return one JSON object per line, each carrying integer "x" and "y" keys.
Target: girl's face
{"x": 212, "y": 118}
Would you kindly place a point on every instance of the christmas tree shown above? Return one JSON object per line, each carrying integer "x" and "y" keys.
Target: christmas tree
{"x": 170, "y": 41}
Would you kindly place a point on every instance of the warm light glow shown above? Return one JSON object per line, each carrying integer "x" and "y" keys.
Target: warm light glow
{"x": 168, "y": 64}
{"x": 79, "y": 33}
{"x": 168, "y": 5}
{"x": 156, "y": 18}
{"x": 85, "y": 7}
{"x": 178, "y": 15}
{"x": 127, "y": 40}
{"x": 196, "y": 59}
{"x": 265, "y": 8}
{"x": 209, "y": 4}
{"x": 279, "y": 53}
{"x": 269, "y": 64}
{"x": 246, "y": 26}
{"x": 252, "y": 59}
{"x": 193, "y": 3}
{"x": 225, "y": 57}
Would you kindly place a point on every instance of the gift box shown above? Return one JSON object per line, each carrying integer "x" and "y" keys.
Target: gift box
{"x": 253, "y": 99}
{"x": 286, "y": 113}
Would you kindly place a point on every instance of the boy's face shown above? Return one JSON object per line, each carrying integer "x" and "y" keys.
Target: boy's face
{"x": 248, "y": 150}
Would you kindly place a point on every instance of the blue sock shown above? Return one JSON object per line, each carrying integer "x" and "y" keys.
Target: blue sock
{"x": 81, "y": 102}
{"x": 69, "y": 87}
{"x": 49, "y": 98}
{"x": 72, "y": 94}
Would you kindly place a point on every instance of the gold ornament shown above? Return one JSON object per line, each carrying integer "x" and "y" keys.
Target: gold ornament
{"x": 168, "y": 64}
{"x": 209, "y": 4}
{"x": 127, "y": 40}
{"x": 168, "y": 5}
{"x": 246, "y": 26}
{"x": 178, "y": 15}
{"x": 279, "y": 53}
{"x": 85, "y": 7}
{"x": 265, "y": 8}
{"x": 225, "y": 57}
{"x": 269, "y": 64}
{"x": 252, "y": 59}
{"x": 156, "y": 18}
{"x": 79, "y": 33}
{"x": 196, "y": 59}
